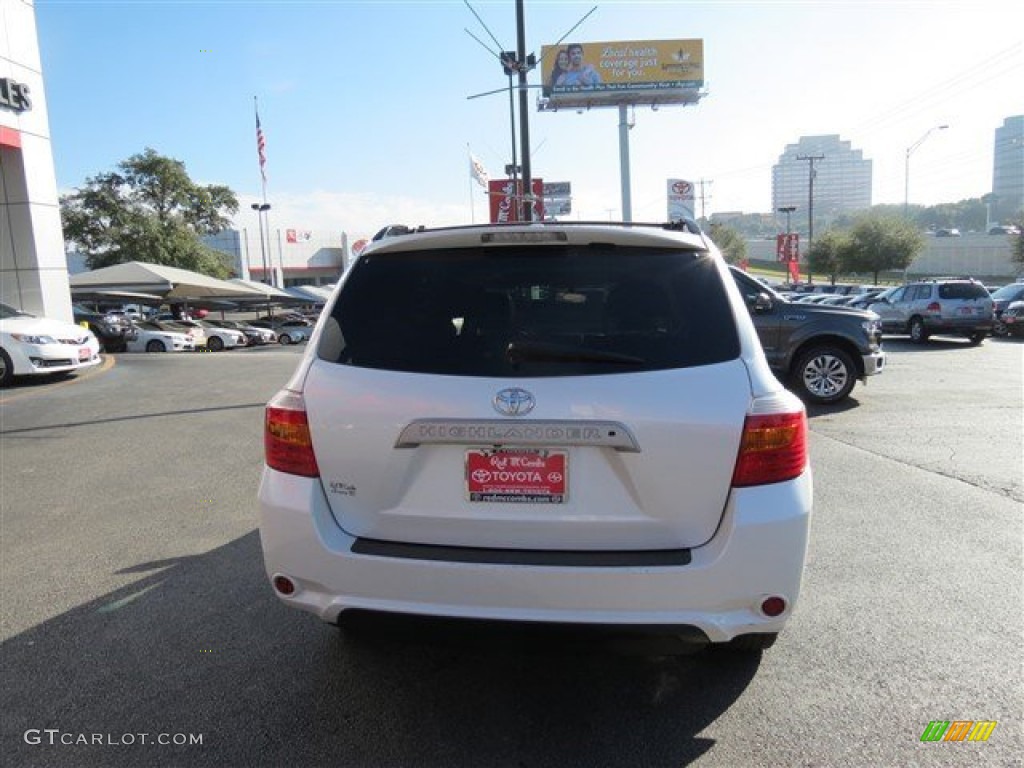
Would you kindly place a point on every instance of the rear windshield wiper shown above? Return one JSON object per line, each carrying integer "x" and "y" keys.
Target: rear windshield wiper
{"x": 521, "y": 351}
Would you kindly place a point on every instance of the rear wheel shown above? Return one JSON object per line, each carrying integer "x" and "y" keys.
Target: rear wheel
{"x": 977, "y": 338}
{"x": 285, "y": 339}
{"x": 918, "y": 333}
{"x": 6, "y": 369}
{"x": 824, "y": 374}
{"x": 155, "y": 346}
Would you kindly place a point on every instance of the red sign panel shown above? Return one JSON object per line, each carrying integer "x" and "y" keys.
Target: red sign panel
{"x": 787, "y": 247}
{"x": 505, "y": 200}
{"x": 519, "y": 475}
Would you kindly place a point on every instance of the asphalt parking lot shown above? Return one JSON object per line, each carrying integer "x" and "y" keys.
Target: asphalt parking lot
{"x": 134, "y": 600}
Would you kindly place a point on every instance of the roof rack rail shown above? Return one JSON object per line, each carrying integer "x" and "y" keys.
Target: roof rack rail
{"x": 684, "y": 225}
{"x": 394, "y": 230}
{"x": 676, "y": 225}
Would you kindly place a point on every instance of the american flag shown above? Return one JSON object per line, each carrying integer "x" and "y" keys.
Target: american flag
{"x": 261, "y": 148}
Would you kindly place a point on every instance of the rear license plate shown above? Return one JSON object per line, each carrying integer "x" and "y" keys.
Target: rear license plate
{"x": 517, "y": 475}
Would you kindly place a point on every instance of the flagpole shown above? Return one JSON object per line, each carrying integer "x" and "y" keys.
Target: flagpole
{"x": 261, "y": 209}
{"x": 472, "y": 208}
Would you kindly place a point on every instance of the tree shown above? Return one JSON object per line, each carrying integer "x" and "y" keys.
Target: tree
{"x": 148, "y": 210}
{"x": 1017, "y": 242}
{"x": 881, "y": 242}
{"x": 828, "y": 253}
{"x": 729, "y": 242}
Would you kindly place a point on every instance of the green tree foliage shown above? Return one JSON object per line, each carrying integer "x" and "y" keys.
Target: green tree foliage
{"x": 828, "y": 254}
{"x": 878, "y": 243}
{"x": 730, "y": 242}
{"x": 148, "y": 210}
{"x": 1017, "y": 242}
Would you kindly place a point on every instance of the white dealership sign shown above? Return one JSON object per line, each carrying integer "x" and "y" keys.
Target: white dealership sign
{"x": 680, "y": 199}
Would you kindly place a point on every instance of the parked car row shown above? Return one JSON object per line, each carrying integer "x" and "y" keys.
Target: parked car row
{"x": 118, "y": 331}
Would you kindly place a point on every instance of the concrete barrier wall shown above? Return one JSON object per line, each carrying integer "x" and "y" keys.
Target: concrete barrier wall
{"x": 984, "y": 255}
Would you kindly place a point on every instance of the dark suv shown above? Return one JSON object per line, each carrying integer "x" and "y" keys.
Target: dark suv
{"x": 113, "y": 331}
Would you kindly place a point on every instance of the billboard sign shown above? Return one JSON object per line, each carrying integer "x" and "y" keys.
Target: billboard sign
{"x": 557, "y": 198}
{"x": 609, "y": 74}
{"x": 680, "y": 199}
{"x": 504, "y": 200}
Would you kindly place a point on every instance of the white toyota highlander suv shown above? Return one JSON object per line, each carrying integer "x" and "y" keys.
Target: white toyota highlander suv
{"x": 561, "y": 422}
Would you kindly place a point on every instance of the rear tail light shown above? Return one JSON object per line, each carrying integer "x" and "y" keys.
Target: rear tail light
{"x": 934, "y": 307}
{"x": 287, "y": 445}
{"x": 773, "y": 448}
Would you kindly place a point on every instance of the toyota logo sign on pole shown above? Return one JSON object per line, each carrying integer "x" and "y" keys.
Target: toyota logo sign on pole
{"x": 680, "y": 199}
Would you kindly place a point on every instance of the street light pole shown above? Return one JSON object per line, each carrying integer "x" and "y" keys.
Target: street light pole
{"x": 787, "y": 209}
{"x": 261, "y": 210}
{"x": 906, "y": 167}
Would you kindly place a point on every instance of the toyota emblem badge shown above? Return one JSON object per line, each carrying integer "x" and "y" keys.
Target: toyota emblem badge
{"x": 514, "y": 402}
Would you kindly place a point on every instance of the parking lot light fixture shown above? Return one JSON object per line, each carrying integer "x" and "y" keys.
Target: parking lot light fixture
{"x": 261, "y": 212}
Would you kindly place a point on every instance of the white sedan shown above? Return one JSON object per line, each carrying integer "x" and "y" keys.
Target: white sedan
{"x": 40, "y": 346}
{"x": 154, "y": 338}
{"x": 217, "y": 337}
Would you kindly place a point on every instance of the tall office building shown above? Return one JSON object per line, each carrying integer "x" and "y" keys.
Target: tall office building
{"x": 842, "y": 179}
{"x": 1008, "y": 171}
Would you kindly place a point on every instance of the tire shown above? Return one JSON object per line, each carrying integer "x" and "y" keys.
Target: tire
{"x": 918, "y": 333}
{"x": 977, "y": 338}
{"x": 761, "y": 641}
{"x": 6, "y": 369}
{"x": 824, "y": 374}
{"x": 215, "y": 344}
{"x": 155, "y": 345}
{"x": 284, "y": 339}
{"x": 999, "y": 329}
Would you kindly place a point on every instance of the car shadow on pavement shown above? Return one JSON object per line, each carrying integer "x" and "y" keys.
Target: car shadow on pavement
{"x": 934, "y": 344}
{"x": 199, "y": 646}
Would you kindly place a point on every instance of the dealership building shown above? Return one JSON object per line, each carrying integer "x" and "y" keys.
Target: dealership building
{"x": 33, "y": 271}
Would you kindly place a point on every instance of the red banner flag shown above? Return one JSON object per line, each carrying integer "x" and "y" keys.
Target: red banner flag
{"x": 505, "y": 198}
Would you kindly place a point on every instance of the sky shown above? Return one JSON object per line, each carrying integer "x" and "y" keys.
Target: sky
{"x": 368, "y": 118}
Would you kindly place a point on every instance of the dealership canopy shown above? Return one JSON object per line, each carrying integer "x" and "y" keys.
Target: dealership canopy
{"x": 160, "y": 280}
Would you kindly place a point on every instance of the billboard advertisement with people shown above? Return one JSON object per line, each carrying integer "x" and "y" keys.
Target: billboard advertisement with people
{"x": 638, "y": 72}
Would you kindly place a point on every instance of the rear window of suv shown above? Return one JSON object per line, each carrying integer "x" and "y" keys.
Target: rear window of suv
{"x": 531, "y": 311}
{"x": 962, "y": 291}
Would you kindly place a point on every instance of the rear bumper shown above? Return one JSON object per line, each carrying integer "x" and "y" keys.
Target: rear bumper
{"x": 958, "y": 325}
{"x": 758, "y": 551}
